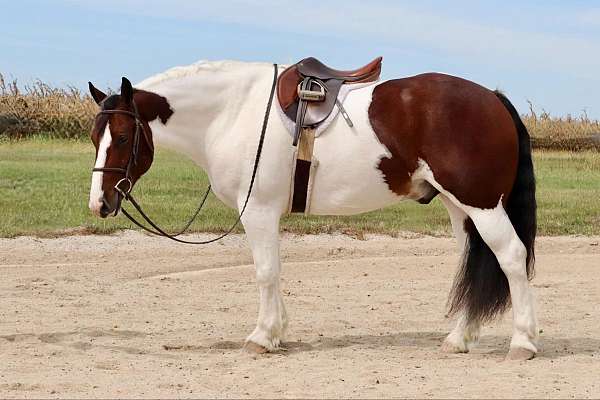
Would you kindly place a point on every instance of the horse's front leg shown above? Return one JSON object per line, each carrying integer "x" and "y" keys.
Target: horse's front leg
{"x": 262, "y": 230}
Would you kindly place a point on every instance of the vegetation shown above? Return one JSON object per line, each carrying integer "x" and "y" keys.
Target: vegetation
{"x": 545, "y": 125}
{"x": 67, "y": 113}
{"x": 44, "y": 187}
{"x": 42, "y": 109}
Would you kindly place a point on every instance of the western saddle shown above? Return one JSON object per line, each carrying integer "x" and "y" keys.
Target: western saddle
{"x": 308, "y": 90}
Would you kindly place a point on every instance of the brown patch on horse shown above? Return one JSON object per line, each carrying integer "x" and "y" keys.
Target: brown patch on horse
{"x": 460, "y": 129}
{"x": 151, "y": 106}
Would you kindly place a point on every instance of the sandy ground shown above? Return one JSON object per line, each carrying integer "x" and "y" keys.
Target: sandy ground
{"x": 134, "y": 316}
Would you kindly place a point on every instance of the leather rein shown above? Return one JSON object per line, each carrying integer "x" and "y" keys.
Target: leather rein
{"x": 126, "y": 194}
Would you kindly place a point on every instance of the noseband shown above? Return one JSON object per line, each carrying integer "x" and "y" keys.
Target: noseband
{"x": 133, "y": 157}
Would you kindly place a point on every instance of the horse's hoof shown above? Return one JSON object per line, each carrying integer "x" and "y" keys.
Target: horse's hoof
{"x": 451, "y": 348}
{"x": 519, "y": 354}
{"x": 254, "y": 348}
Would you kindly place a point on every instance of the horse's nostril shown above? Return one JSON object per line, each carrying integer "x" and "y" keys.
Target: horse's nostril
{"x": 105, "y": 209}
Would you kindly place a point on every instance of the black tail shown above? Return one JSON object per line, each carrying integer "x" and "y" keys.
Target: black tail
{"x": 481, "y": 288}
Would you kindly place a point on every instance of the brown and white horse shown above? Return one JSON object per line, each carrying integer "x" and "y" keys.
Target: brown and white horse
{"x": 413, "y": 138}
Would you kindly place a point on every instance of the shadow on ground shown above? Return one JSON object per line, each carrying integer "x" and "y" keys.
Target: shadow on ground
{"x": 429, "y": 341}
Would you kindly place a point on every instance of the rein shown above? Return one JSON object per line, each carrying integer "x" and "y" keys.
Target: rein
{"x": 126, "y": 194}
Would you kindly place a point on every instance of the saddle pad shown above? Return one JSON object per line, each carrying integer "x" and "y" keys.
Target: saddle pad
{"x": 344, "y": 90}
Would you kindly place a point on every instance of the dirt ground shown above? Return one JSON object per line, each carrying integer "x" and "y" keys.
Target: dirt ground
{"x": 134, "y": 316}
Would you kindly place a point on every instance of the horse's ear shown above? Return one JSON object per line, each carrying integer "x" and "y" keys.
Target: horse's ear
{"x": 97, "y": 94}
{"x": 126, "y": 90}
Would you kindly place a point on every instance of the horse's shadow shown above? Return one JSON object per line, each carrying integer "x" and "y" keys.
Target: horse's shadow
{"x": 552, "y": 347}
{"x": 402, "y": 339}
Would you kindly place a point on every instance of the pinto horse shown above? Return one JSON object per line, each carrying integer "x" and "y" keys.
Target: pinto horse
{"x": 412, "y": 138}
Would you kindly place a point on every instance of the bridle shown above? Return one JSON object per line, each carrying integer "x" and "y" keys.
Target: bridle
{"x": 133, "y": 158}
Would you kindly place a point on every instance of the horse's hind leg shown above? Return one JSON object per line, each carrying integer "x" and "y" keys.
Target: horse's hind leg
{"x": 498, "y": 233}
{"x": 466, "y": 333}
{"x": 262, "y": 230}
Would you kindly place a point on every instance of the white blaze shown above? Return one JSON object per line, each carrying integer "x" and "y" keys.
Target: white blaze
{"x": 96, "y": 192}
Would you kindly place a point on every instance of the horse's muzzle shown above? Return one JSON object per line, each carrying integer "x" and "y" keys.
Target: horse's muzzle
{"x": 106, "y": 209}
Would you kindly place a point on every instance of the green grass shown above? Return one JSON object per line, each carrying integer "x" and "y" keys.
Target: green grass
{"x": 568, "y": 192}
{"x": 44, "y": 186}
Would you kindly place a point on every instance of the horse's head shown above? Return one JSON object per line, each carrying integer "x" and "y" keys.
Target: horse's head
{"x": 124, "y": 147}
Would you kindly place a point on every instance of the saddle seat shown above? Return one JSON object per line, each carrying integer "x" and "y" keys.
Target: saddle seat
{"x": 308, "y": 113}
{"x": 315, "y": 68}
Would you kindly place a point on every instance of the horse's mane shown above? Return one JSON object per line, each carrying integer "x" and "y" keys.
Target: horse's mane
{"x": 192, "y": 69}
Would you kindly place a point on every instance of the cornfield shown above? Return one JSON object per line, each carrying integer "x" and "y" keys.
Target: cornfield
{"x": 546, "y": 126}
{"x": 42, "y": 109}
{"x": 67, "y": 113}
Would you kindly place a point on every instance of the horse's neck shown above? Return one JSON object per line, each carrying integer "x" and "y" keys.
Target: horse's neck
{"x": 205, "y": 108}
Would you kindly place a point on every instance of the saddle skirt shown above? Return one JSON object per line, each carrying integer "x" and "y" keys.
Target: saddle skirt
{"x": 345, "y": 89}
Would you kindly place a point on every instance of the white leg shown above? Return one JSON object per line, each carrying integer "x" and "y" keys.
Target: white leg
{"x": 499, "y": 234}
{"x": 463, "y": 337}
{"x": 465, "y": 334}
{"x": 262, "y": 229}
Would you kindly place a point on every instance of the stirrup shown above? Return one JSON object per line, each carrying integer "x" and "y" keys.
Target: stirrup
{"x": 306, "y": 93}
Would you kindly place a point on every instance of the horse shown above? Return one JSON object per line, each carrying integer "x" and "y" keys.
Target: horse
{"x": 412, "y": 138}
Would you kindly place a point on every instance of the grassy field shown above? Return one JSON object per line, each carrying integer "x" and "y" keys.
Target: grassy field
{"x": 44, "y": 186}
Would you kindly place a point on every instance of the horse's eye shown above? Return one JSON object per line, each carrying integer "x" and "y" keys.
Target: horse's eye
{"x": 123, "y": 139}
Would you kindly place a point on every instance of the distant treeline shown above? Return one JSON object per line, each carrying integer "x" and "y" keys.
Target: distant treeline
{"x": 40, "y": 109}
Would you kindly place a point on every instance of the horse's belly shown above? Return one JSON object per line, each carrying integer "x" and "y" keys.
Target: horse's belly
{"x": 339, "y": 197}
{"x": 347, "y": 180}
